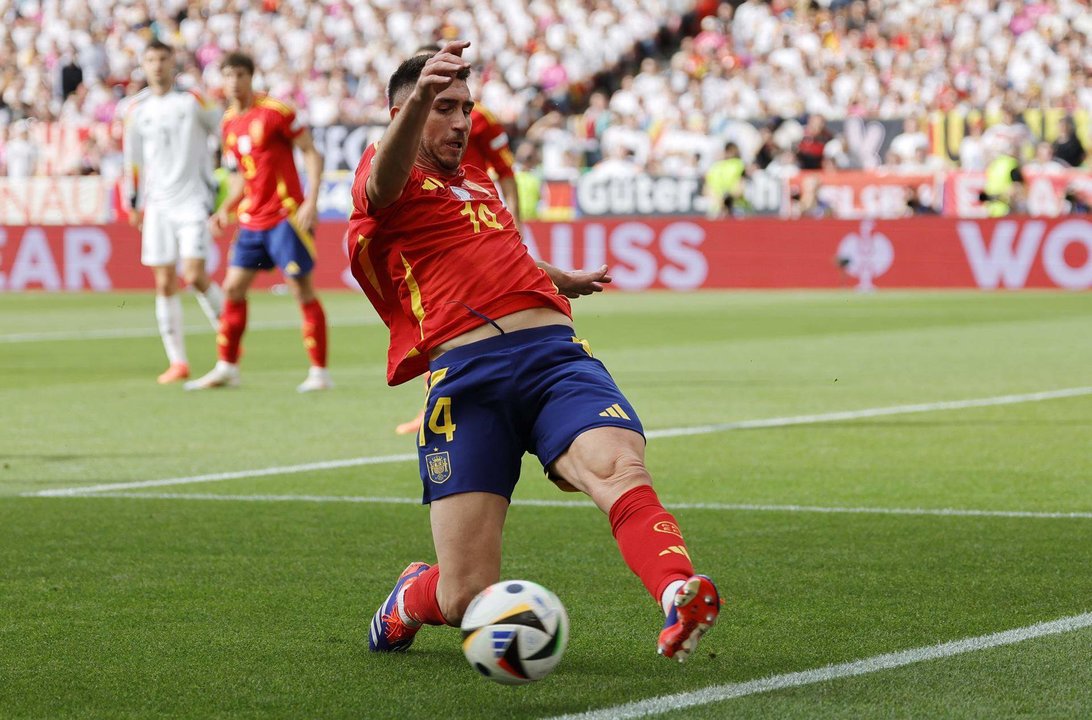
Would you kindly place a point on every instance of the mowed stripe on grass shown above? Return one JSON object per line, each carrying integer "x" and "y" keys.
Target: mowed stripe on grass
{"x": 652, "y": 434}
{"x": 532, "y": 502}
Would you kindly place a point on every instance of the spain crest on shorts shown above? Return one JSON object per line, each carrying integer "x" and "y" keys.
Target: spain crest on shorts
{"x": 439, "y": 467}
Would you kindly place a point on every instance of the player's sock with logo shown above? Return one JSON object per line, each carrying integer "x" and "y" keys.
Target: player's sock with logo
{"x": 419, "y": 603}
{"x": 314, "y": 332}
{"x": 211, "y": 302}
{"x": 168, "y": 314}
{"x": 232, "y": 326}
{"x": 650, "y": 540}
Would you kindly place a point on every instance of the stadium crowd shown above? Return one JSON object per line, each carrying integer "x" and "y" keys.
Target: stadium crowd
{"x": 611, "y": 85}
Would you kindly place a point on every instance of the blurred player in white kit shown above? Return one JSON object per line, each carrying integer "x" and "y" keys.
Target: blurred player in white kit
{"x": 169, "y": 171}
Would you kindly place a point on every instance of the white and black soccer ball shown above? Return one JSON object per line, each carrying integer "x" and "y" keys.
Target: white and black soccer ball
{"x": 514, "y": 632}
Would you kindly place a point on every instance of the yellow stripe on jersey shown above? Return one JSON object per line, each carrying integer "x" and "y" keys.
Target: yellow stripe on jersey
{"x": 415, "y": 295}
{"x": 289, "y": 204}
{"x": 274, "y": 104}
{"x": 431, "y": 184}
{"x": 490, "y": 117}
{"x": 365, "y": 261}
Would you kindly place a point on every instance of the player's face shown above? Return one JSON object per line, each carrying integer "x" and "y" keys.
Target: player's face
{"x": 448, "y": 127}
{"x": 237, "y": 83}
{"x": 158, "y": 67}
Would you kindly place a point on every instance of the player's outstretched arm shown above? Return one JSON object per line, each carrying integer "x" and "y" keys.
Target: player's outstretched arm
{"x": 397, "y": 151}
{"x": 222, "y": 217}
{"x": 575, "y": 283}
{"x": 307, "y": 215}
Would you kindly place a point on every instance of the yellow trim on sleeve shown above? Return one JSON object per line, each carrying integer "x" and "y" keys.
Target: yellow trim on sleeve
{"x": 274, "y": 104}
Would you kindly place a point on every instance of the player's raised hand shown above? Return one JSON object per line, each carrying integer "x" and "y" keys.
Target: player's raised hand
{"x": 440, "y": 70}
{"x": 575, "y": 283}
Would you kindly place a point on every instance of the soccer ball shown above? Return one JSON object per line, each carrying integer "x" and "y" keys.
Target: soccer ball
{"x": 514, "y": 632}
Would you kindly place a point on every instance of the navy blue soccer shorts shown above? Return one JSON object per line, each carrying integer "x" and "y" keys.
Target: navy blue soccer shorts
{"x": 282, "y": 245}
{"x": 491, "y": 401}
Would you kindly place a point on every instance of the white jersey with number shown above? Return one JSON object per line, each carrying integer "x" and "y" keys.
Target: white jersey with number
{"x": 167, "y": 152}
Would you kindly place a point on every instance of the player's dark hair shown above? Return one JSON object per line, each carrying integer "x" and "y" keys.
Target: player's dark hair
{"x": 427, "y": 49}
{"x": 239, "y": 60}
{"x": 158, "y": 45}
{"x": 408, "y": 73}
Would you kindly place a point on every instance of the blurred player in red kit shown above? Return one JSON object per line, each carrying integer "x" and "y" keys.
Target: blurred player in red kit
{"x": 439, "y": 257}
{"x": 277, "y": 221}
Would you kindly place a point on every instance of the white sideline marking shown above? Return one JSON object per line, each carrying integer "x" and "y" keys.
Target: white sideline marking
{"x": 532, "y": 502}
{"x": 872, "y": 412}
{"x": 219, "y": 477}
{"x": 888, "y": 661}
{"x": 141, "y": 332}
{"x": 651, "y": 435}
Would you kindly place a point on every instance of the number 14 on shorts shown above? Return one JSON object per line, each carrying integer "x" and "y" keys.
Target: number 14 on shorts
{"x": 438, "y": 421}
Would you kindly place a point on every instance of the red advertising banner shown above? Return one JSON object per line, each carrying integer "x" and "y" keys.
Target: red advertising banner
{"x": 851, "y": 194}
{"x": 667, "y": 253}
{"x": 1045, "y": 194}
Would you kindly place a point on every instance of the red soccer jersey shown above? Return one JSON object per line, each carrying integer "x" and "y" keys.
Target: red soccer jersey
{"x": 488, "y": 144}
{"x": 438, "y": 259}
{"x": 261, "y": 139}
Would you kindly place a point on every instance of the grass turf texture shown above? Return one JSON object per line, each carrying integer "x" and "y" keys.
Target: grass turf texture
{"x": 122, "y": 607}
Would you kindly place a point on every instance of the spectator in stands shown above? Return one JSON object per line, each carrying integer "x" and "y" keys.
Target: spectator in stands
{"x": 724, "y": 183}
{"x": 19, "y": 157}
{"x": 528, "y": 180}
{"x": 768, "y": 149}
{"x": 618, "y": 163}
{"x": 1067, "y": 146}
{"x": 1044, "y": 161}
{"x": 972, "y": 148}
{"x": 809, "y": 151}
{"x": 1004, "y": 181}
{"x": 906, "y": 144}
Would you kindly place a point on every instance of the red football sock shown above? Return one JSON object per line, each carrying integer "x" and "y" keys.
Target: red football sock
{"x": 420, "y": 602}
{"x": 232, "y": 327}
{"x": 314, "y": 332}
{"x": 650, "y": 540}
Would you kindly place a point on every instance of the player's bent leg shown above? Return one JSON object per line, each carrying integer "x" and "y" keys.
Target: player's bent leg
{"x": 229, "y": 338}
{"x": 209, "y": 296}
{"x": 466, "y": 529}
{"x": 314, "y": 333}
{"x": 168, "y": 314}
{"x": 607, "y": 464}
{"x": 467, "y": 532}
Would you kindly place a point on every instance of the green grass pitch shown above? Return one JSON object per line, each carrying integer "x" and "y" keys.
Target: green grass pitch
{"x": 169, "y": 602}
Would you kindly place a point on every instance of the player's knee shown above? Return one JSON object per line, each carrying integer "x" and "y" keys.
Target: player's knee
{"x": 626, "y": 468}
{"x": 235, "y": 293}
{"x": 196, "y": 278}
{"x": 166, "y": 286}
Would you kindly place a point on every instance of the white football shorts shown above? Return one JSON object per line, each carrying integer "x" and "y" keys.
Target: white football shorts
{"x": 173, "y": 232}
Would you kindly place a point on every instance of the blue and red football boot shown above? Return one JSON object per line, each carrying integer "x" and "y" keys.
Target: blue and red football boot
{"x": 389, "y": 632}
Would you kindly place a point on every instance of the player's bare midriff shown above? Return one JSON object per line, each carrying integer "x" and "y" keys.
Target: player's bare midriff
{"x": 521, "y": 320}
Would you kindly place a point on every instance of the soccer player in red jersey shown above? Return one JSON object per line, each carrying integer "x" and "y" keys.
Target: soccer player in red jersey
{"x": 439, "y": 257}
{"x": 277, "y": 221}
{"x": 487, "y": 149}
